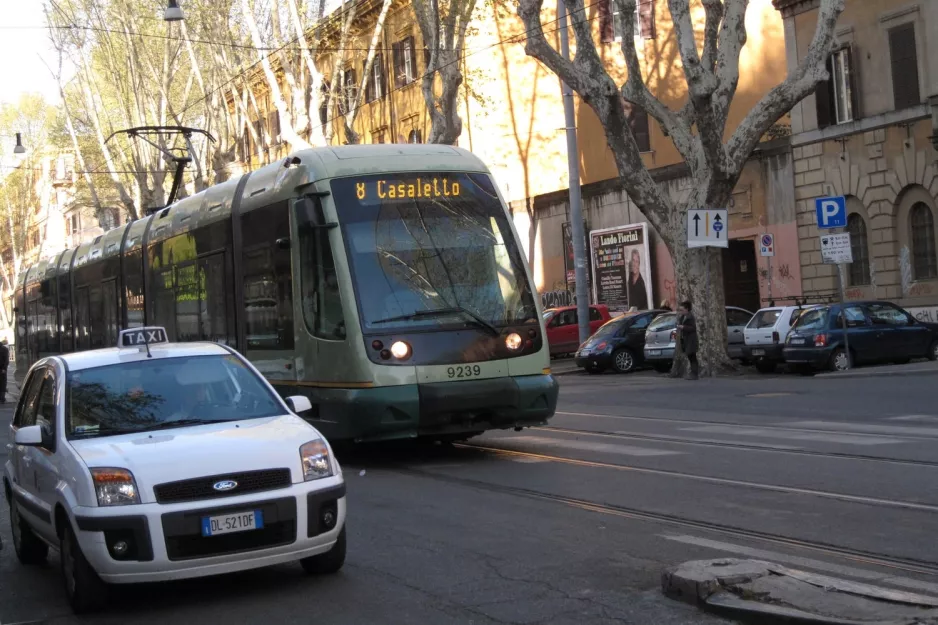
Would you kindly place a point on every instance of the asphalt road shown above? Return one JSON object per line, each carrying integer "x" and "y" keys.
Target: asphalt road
{"x": 573, "y": 523}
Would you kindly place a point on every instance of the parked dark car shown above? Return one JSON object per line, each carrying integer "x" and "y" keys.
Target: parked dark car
{"x": 876, "y": 332}
{"x": 619, "y": 344}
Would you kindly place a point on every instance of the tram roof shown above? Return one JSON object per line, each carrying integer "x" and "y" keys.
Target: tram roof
{"x": 272, "y": 183}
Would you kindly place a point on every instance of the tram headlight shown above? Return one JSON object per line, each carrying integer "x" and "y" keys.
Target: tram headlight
{"x": 400, "y": 350}
{"x": 316, "y": 460}
{"x": 513, "y": 341}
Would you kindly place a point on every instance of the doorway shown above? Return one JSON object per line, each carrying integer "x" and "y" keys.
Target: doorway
{"x": 741, "y": 275}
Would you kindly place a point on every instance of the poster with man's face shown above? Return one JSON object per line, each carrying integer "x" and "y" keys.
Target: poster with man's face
{"x": 621, "y": 267}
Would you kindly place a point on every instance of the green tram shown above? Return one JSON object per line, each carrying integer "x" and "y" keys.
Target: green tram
{"x": 384, "y": 282}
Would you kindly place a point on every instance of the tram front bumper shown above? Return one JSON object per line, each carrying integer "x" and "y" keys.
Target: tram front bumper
{"x": 435, "y": 409}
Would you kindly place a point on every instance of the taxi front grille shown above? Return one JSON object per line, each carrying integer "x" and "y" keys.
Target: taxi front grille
{"x": 204, "y": 487}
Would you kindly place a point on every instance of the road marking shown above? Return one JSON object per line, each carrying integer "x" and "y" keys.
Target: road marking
{"x": 900, "y": 430}
{"x": 924, "y": 418}
{"x": 761, "y": 395}
{"x": 625, "y": 450}
{"x": 889, "y": 503}
{"x": 817, "y": 565}
{"x": 845, "y": 439}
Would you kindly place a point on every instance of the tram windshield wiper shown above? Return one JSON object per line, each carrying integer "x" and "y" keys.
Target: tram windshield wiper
{"x": 442, "y": 312}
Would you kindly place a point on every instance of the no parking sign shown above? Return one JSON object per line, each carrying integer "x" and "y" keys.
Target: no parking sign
{"x": 767, "y": 245}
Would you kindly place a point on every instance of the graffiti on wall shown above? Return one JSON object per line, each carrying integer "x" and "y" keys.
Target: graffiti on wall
{"x": 556, "y": 299}
{"x": 928, "y": 314}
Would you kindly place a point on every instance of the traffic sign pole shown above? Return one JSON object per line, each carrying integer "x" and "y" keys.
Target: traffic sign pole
{"x": 843, "y": 312}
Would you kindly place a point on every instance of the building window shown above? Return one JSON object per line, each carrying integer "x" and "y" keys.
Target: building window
{"x": 273, "y": 125}
{"x": 837, "y": 97}
{"x": 414, "y": 136}
{"x": 904, "y": 60}
{"x": 638, "y": 122}
{"x": 350, "y": 95}
{"x": 859, "y": 274}
{"x": 377, "y": 136}
{"x": 374, "y": 89}
{"x": 612, "y": 25}
{"x": 405, "y": 62}
{"x": 324, "y": 103}
{"x": 72, "y": 224}
{"x": 922, "y": 224}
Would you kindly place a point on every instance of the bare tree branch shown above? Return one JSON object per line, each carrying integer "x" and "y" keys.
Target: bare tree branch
{"x": 732, "y": 39}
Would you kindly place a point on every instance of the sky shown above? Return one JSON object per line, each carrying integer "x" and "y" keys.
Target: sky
{"x": 23, "y": 45}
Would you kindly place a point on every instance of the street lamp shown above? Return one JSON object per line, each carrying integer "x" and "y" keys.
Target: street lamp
{"x": 19, "y": 149}
{"x": 173, "y": 13}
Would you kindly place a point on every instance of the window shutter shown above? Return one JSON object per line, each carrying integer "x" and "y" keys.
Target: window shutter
{"x": 273, "y": 122}
{"x": 605, "y": 20}
{"x": 369, "y": 82}
{"x": 646, "y": 18}
{"x": 412, "y": 58}
{"x": 398, "y": 57}
{"x": 638, "y": 122}
{"x": 853, "y": 83}
{"x": 904, "y": 60}
{"x": 824, "y": 98}
{"x": 324, "y": 104}
{"x": 381, "y": 80}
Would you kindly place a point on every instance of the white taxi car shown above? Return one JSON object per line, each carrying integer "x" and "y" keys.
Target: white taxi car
{"x": 156, "y": 461}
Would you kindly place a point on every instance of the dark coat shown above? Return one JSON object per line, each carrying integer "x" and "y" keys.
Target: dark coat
{"x": 4, "y": 357}
{"x": 688, "y": 336}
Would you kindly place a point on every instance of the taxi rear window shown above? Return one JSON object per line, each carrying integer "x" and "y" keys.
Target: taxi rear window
{"x": 156, "y": 394}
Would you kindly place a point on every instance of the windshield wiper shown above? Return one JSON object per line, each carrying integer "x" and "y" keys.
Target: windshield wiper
{"x": 442, "y": 312}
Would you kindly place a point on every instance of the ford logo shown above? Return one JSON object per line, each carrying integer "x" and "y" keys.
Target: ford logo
{"x": 225, "y": 485}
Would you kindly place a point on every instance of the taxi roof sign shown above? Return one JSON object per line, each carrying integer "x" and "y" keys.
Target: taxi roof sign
{"x": 142, "y": 337}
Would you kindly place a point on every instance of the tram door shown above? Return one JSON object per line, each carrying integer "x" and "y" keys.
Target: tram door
{"x": 268, "y": 291}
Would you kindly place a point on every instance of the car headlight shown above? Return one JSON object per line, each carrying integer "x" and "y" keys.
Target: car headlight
{"x": 316, "y": 460}
{"x": 115, "y": 487}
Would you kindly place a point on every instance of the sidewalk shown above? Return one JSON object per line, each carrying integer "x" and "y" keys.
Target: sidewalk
{"x": 913, "y": 368}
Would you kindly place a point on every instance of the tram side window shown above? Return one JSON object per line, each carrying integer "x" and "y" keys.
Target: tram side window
{"x": 133, "y": 279}
{"x": 96, "y": 316}
{"x": 22, "y": 321}
{"x": 65, "y": 309}
{"x": 213, "y": 298}
{"x": 268, "y": 285}
{"x": 163, "y": 310}
{"x": 110, "y": 312}
{"x": 319, "y": 285}
{"x": 47, "y": 326}
{"x": 82, "y": 319}
{"x": 187, "y": 303}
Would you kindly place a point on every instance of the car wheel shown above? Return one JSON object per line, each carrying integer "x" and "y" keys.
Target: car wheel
{"x": 765, "y": 367}
{"x": 933, "y": 351}
{"x": 623, "y": 360}
{"x": 29, "y": 549}
{"x": 839, "y": 360}
{"x": 83, "y": 588}
{"x": 329, "y": 562}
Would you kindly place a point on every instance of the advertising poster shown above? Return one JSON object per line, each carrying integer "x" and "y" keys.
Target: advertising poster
{"x": 568, "y": 258}
{"x": 621, "y": 267}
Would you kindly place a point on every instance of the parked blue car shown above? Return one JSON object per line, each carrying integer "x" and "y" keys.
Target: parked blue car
{"x": 876, "y": 332}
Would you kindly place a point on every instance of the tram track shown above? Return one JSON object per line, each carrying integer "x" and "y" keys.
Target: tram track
{"x": 776, "y": 427}
{"x": 677, "y": 440}
{"x": 778, "y": 488}
{"x": 859, "y": 556}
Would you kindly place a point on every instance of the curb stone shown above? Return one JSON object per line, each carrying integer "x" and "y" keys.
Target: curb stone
{"x": 765, "y": 593}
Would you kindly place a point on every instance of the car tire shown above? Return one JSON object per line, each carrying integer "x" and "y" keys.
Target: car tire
{"x": 765, "y": 367}
{"x": 86, "y": 592}
{"x": 933, "y": 351}
{"x": 329, "y": 562}
{"x": 839, "y": 360}
{"x": 623, "y": 360}
{"x": 29, "y": 549}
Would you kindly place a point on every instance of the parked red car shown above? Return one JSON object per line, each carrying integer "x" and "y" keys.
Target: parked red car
{"x": 563, "y": 327}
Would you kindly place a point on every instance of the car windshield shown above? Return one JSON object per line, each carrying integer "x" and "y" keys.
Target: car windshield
{"x": 609, "y": 329}
{"x": 664, "y": 322}
{"x": 154, "y": 394}
{"x": 812, "y": 320}
{"x": 419, "y": 243}
{"x": 764, "y": 319}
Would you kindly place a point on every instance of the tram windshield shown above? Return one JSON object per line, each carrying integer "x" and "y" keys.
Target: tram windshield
{"x": 426, "y": 242}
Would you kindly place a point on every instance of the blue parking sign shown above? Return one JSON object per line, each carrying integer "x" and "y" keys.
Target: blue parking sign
{"x": 831, "y": 212}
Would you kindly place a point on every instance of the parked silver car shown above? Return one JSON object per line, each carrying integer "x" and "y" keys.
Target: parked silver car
{"x": 660, "y": 337}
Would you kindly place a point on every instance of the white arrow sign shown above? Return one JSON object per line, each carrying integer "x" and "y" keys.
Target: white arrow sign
{"x": 708, "y": 228}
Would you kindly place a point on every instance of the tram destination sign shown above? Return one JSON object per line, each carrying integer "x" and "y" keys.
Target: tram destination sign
{"x": 421, "y": 187}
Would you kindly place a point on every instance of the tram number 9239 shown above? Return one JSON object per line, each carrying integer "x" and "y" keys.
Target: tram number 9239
{"x": 464, "y": 371}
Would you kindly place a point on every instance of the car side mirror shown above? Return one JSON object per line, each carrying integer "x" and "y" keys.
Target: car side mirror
{"x": 299, "y": 403}
{"x": 30, "y": 436}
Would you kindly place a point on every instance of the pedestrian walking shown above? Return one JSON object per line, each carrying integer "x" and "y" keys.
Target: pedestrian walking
{"x": 687, "y": 334}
